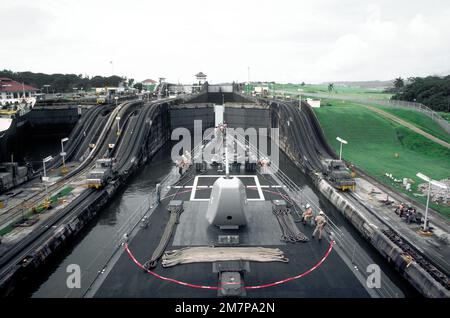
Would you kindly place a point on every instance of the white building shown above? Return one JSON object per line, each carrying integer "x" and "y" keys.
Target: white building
{"x": 313, "y": 102}
{"x": 12, "y": 92}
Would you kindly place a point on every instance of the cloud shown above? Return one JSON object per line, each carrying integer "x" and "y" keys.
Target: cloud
{"x": 383, "y": 48}
{"x": 21, "y": 22}
{"x": 289, "y": 41}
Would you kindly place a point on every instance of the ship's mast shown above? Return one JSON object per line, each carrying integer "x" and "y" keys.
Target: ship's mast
{"x": 227, "y": 168}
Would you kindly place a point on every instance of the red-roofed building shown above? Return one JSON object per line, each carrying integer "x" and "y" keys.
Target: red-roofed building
{"x": 10, "y": 90}
{"x": 149, "y": 85}
{"x": 149, "y": 82}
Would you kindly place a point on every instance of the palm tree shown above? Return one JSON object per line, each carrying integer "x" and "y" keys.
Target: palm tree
{"x": 399, "y": 83}
{"x": 330, "y": 87}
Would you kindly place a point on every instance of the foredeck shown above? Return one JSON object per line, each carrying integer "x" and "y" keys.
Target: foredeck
{"x": 331, "y": 278}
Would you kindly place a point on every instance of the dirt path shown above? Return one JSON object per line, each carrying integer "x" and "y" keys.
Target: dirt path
{"x": 409, "y": 125}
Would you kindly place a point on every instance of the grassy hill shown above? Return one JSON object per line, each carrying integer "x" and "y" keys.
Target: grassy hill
{"x": 420, "y": 120}
{"x": 374, "y": 142}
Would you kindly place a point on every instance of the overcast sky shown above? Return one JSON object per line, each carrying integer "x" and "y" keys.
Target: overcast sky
{"x": 284, "y": 41}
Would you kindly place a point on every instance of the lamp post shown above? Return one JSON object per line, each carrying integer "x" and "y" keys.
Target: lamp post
{"x": 45, "y": 178}
{"x": 342, "y": 141}
{"x": 46, "y": 86}
{"x": 118, "y": 125}
{"x": 430, "y": 182}
{"x": 63, "y": 154}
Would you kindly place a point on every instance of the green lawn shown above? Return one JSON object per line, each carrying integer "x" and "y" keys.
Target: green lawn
{"x": 373, "y": 142}
{"x": 339, "y": 90}
{"x": 420, "y": 120}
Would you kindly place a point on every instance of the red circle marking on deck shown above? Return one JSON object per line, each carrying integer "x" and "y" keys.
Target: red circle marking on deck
{"x": 246, "y": 287}
{"x": 216, "y": 287}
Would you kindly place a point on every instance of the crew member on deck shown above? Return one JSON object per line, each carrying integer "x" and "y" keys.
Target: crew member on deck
{"x": 307, "y": 215}
{"x": 320, "y": 224}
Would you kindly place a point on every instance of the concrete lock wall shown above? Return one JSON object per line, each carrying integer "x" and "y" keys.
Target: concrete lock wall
{"x": 235, "y": 115}
{"x": 227, "y": 88}
{"x": 415, "y": 274}
{"x": 227, "y": 97}
{"x": 240, "y": 116}
{"x": 54, "y": 115}
{"x": 184, "y": 116}
{"x": 201, "y": 98}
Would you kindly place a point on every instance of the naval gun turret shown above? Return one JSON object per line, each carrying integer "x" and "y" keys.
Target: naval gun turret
{"x": 227, "y": 206}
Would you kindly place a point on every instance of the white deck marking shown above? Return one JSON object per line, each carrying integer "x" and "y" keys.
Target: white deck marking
{"x": 194, "y": 188}
{"x": 257, "y": 185}
{"x": 261, "y": 195}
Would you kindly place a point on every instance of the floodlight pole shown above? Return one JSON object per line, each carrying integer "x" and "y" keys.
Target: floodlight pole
{"x": 342, "y": 141}
{"x": 430, "y": 182}
{"x": 118, "y": 125}
{"x": 425, "y": 219}
{"x": 45, "y": 175}
{"x": 63, "y": 154}
{"x": 44, "y": 179}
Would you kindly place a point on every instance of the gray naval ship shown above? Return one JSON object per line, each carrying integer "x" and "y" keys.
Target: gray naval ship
{"x": 227, "y": 227}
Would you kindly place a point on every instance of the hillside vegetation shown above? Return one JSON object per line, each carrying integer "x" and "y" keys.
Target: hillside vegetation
{"x": 61, "y": 82}
{"x": 380, "y": 146}
{"x": 432, "y": 91}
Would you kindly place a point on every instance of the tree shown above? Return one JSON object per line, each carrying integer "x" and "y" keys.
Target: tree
{"x": 138, "y": 86}
{"x": 330, "y": 87}
{"x": 302, "y": 84}
{"x": 61, "y": 82}
{"x": 399, "y": 83}
{"x": 432, "y": 91}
